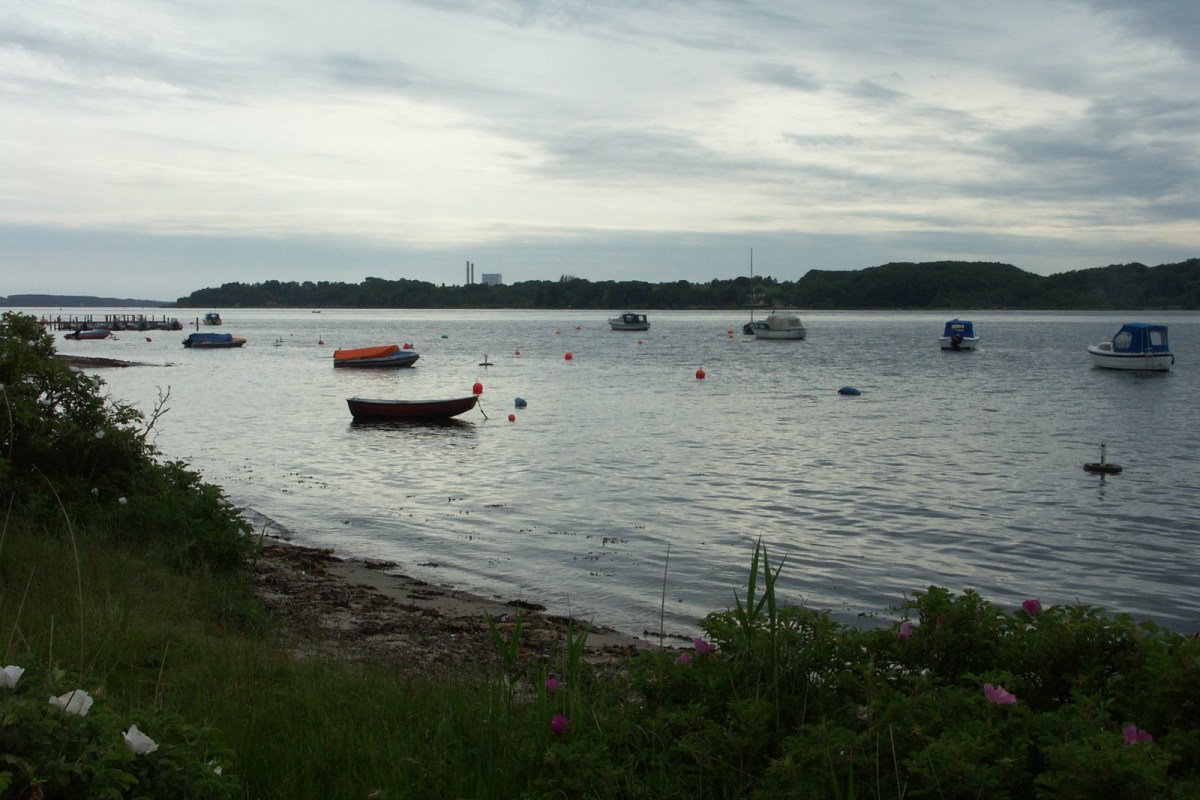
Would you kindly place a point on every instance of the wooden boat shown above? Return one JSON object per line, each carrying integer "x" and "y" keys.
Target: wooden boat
{"x": 1137, "y": 346}
{"x": 388, "y": 355}
{"x": 366, "y": 410}
{"x": 208, "y": 341}
{"x": 629, "y": 322}
{"x": 958, "y": 334}
{"x": 89, "y": 333}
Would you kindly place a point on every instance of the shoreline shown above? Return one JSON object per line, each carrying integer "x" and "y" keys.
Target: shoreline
{"x": 362, "y": 611}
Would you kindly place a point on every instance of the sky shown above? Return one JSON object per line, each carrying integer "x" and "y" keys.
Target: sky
{"x": 151, "y": 148}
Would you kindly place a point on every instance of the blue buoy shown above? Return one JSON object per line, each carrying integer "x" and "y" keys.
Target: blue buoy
{"x": 520, "y": 402}
{"x": 849, "y": 391}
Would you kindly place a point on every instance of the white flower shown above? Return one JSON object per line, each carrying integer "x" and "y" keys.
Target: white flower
{"x": 138, "y": 742}
{"x": 10, "y": 675}
{"x": 95, "y": 492}
{"x": 216, "y": 768}
{"x": 99, "y": 434}
{"x": 76, "y": 702}
{"x": 122, "y": 500}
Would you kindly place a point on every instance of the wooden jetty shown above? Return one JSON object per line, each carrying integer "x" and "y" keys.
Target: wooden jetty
{"x": 114, "y": 322}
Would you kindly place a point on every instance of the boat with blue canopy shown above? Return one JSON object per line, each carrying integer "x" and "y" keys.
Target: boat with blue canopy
{"x": 1136, "y": 346}
{"x": 959, "y": 334}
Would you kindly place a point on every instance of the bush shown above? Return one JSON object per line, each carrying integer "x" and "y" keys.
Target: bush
{"x": 68, "y": 454}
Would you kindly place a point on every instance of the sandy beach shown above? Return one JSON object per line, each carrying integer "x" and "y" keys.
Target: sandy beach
{"x": 365, "y": 611}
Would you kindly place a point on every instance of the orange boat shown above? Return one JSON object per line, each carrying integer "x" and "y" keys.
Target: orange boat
{"x": 385, "y": 355}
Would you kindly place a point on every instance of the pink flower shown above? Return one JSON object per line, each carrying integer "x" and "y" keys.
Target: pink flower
{"x": 703, "y": 647}
{"x": 906, "y": 629}
{"x": 1032, "y": 607}
{"x": 998, "y": 695}
{"x": 558, "y": 724}
{"x": 551, "y": 685}
{"x": 1134, "y": 735}
{"x": 684, "y": 658}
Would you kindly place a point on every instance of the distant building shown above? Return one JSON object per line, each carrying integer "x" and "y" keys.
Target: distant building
{"x": 492, "y": 279}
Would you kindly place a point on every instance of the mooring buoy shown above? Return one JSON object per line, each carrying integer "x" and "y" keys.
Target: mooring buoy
{"x": 1102, "y": 467}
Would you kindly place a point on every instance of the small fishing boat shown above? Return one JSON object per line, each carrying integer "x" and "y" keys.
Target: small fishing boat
{"x": 89, "y": 333}
{"x": 212, "y": 341}
{"x": 366, "y": 410}
{"x": 629, "y": 322}
{"x": 779, "y": 325}
{"x": 959, "y": 334}
{"x": 212, "y": 318}
{"x": 1136, "y": 346}
{"x": 383, "y": 356}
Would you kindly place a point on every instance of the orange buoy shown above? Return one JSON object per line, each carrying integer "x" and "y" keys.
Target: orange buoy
{"x": 699, "y": 374}
{"x": 477, "y": 389}
{"x": 568, "y": 356}
{"x": 512, "y": 417}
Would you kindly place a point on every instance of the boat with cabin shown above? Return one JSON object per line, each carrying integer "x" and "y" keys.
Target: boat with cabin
{"x": 629, "y": 321}
{"x": 779, "y": 325}
{"x": 212, "y": 318}
{"x": 958, "y": 334}
{"x": 1136, "y": 346}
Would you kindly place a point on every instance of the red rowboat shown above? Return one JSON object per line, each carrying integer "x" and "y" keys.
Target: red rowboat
{"x": 400, "y": 410}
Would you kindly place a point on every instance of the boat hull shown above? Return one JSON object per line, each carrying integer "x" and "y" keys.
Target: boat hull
{"x": 1143, "y": 362}
{"x": 213, "y": 341}
{"x": 95, "y": 333}
{"x": 394, "y": 361}
{"x": 368, "y": 410}
{"x": 958, "y": 342}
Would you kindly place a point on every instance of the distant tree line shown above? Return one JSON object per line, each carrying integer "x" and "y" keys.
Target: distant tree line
{"x": 930, "y": 285}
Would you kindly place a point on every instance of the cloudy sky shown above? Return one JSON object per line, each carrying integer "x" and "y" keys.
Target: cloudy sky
{"x": 151, "y": 148}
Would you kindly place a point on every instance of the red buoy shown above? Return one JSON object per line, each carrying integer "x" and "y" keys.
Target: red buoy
{"x": 568, "y": 356}
{"x": 517, "y": 353}
{"x": 512, "y": 417}
{"x": 408, "y": 345}
{"x": 477, "y": 389}
{"x": 699, "y": 374}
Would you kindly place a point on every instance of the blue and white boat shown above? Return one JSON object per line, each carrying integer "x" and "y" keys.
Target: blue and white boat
{"x": 959, "y": 334}
{"x": 1137, "y": 345}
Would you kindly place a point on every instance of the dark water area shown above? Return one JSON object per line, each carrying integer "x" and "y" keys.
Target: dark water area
{"x": 628, "y": 491}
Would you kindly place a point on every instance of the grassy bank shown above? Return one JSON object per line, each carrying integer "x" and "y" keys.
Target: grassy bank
{"x": 137, "y": 662}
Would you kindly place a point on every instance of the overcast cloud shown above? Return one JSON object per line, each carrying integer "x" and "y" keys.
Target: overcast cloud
{"x": 151, "y": 148}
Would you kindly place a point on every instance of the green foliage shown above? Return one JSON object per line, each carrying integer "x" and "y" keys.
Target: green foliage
{"x": 932, "y": 285}
{"x": 68, "y": 452}
{"x": 50, "y": 752}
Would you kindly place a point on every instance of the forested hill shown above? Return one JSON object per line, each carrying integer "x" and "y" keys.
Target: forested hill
{"x": 931, "y": 285}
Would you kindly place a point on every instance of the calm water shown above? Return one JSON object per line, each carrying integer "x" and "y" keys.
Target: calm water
{"x": 957, "y": 469}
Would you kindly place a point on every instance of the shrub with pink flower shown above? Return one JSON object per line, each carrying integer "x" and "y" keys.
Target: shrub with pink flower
{"x": 1135, "y": 735}
{"x": 552, "y": 685}
{"x": 703, "y": 647}
{"x": 906, "y": 629}
{"x": 1032, "y": 606}
{"x": 558, "y": 724}
{"x": 684, "y": 659}
{"x": 998, "y": 695}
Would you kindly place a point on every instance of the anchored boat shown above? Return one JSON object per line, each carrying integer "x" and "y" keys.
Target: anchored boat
{"x": 1136, "y": 346}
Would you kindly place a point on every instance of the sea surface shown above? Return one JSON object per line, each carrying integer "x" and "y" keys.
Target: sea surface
{"x": 631, "y": 492}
